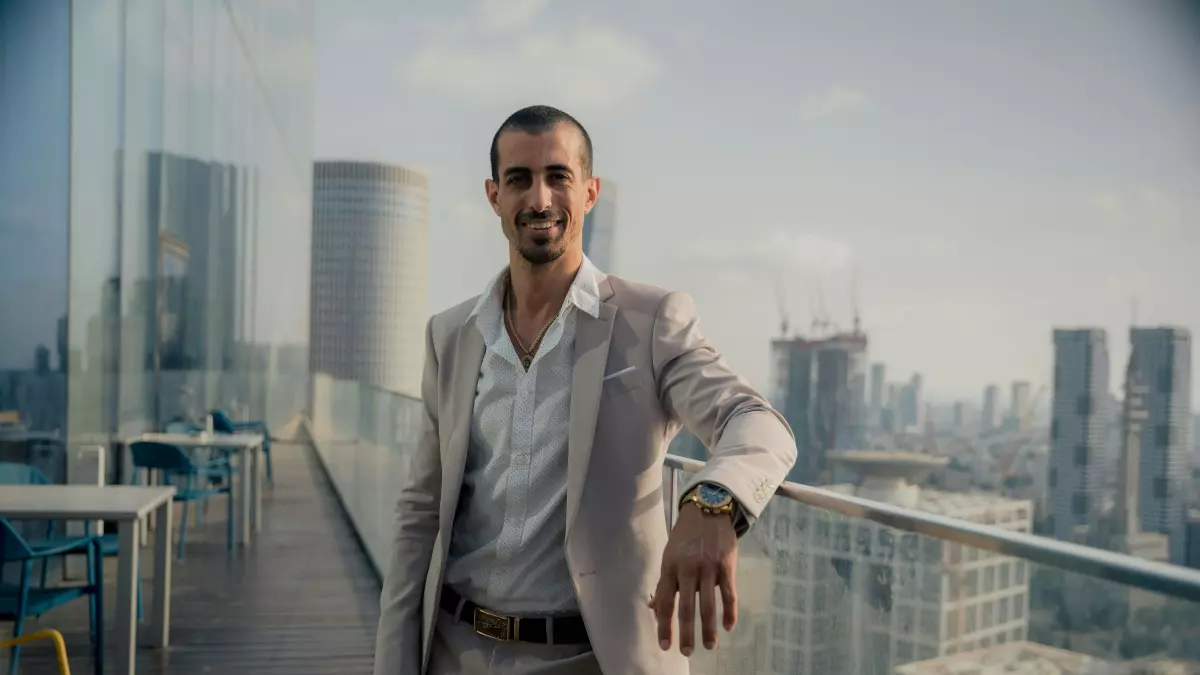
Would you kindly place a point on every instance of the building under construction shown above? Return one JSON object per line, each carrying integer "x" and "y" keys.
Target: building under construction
{"x": 819, "y": 384}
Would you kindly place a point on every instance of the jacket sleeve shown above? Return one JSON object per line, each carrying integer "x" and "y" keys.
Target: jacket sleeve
{"x": 398, "y": 645}
{"x": 751, "y": 445}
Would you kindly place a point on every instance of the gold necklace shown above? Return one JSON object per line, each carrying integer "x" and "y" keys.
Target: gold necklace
{"x": 526, "y": 355}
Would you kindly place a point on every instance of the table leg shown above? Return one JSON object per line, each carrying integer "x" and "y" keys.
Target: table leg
{"x": 128, "y": 532}
{"x": 143, "y": 478}
{"x": 258, "y": 488}
{"x": 244, "y": 498}
{"x": 160, "y": 635}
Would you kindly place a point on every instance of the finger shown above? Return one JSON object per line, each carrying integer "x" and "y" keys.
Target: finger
{"x": 728, "y": 598}
{"x": 687, "y": 613}
{"x": 664, "y": 607}
{"x": 708, "y": 608}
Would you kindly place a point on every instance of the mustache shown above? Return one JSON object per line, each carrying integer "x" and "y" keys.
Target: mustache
{"x": 526, "y": 217}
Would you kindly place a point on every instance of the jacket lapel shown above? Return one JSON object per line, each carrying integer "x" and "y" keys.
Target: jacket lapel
{"x": 592, "y": 335}
{"x": 467, "y": 361}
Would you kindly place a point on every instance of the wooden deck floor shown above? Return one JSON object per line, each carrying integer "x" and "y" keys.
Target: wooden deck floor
{"x": 302, "y": 601}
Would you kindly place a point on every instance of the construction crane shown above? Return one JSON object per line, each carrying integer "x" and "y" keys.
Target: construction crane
{"x": 1028, "y": 413}
{"x": 781, "y": 304}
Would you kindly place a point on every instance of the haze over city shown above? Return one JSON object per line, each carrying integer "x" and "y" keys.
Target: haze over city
{"x": 980, "y": 173}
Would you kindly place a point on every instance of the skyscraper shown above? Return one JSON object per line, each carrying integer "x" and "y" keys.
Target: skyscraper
{"x": 1020, "y": 413}
{"x": 1163, "y": 363}
{"x": 912, "y": 404}
{"x": 600, "y": 228}
{"x": 991, "y": 408}
{"x": 878, "y": 378}
{"x": 370, "y": 274}
{"x": 819, "y": 386}
{"x": 1078, "y": 429}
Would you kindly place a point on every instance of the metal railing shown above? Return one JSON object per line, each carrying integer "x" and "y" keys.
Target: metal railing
{"x": 1170, "y": 580}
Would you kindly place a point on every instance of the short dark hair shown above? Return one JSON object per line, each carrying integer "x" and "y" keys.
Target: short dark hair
{"x": 537, "y": 119}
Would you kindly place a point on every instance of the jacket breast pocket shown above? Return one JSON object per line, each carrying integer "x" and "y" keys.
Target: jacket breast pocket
{"x": 622, "y": 381}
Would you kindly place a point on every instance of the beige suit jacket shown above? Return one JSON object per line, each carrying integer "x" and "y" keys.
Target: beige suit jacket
{"x": 619, "y": 431}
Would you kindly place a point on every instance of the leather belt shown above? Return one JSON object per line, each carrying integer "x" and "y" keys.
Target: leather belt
{"x": 554, "y": 630}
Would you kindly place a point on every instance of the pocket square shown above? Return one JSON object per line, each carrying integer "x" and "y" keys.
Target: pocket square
{"x": 619, "y": 372}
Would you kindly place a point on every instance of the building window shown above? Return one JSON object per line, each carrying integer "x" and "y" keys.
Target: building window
{"x": 1079, "y": 504}
{"x": 1161, "y": 487}
{"x": 1083, "y": 405}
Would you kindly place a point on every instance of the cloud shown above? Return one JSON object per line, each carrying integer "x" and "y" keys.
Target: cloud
{"x": 780, "y": 253}
{"x": 502, "y": 16}
{"x": 484, "y": 59}
{"x": 832, "y": 102}
{"x": 1145, "y": 208}
{"x": 357, "y": 30}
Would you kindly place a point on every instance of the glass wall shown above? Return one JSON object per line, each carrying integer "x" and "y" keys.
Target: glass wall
{"x": 155, "y": 177}
{"x": 34, "y": 168}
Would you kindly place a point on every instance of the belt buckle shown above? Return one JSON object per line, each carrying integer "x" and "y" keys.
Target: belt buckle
{"x": 495, "y": 626}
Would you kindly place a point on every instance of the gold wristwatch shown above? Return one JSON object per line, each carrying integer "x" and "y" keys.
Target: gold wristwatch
{"x": 711, "y": 499}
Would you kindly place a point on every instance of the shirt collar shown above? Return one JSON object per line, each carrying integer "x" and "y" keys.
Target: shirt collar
{"x": 583, "y": 294}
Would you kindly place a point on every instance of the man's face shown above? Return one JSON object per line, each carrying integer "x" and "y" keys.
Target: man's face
{"x": 543, "y": 193}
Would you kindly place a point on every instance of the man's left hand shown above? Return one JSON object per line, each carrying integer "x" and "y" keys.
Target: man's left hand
{"x": 701, "y": 555}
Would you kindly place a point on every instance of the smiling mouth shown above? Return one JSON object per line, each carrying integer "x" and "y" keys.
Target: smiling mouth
{"x": 541, "y": 225}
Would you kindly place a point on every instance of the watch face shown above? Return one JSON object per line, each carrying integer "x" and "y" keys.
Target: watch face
{"x": 713, "y": 495}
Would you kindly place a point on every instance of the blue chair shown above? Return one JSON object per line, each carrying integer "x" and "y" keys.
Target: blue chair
{"x": 178, "y": 469}
{"x": 223, "y": 424}
{"x": 25, "y": 600}
{"x": 217, "y": 469}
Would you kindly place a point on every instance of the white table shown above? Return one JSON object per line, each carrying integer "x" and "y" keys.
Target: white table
{"x": 248, "y": 447}
{"x": 129, "y": 506}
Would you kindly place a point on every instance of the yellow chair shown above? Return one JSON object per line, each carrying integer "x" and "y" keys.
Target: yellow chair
{"x": 60, "y": 647}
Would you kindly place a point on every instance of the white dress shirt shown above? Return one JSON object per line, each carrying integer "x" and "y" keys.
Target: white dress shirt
{"x": 507, "y": 546}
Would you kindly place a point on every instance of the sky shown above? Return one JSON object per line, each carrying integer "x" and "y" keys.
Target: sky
{"x": 969, "y": 175}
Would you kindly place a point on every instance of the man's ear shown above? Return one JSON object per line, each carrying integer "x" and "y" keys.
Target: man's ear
{"x": 492, "y": 190}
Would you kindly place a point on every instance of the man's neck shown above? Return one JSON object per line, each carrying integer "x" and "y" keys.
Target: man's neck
{"x": 538, "y": 291}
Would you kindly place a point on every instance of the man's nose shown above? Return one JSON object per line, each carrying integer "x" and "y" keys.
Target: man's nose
{"x": 540, "y": 196}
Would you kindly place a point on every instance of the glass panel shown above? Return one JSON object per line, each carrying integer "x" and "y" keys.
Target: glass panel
{"x": 365, "y": 436}
{"x": 883, "y": 608}
{"x": 93, "y": 324}
{"x": 34, "y": 193}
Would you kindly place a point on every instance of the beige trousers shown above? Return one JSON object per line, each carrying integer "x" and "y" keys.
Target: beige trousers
{"x": 459, "y": 650}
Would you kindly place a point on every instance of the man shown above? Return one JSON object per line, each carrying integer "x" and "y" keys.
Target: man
{"x": 530, "y": 533}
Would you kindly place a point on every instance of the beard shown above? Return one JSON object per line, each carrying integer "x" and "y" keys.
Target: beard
{"x": 537, "y": 247}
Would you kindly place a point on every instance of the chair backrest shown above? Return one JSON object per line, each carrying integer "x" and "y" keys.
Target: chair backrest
{"x": 12, "y": 545}
{"x": 160, "y": 456}
{"x": 221, "y": 422}
{"x": 14, "y": 473}
{"x": 178, "y": 427}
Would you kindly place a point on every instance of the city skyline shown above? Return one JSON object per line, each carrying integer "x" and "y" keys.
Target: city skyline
{"x": 1020, "y": 185}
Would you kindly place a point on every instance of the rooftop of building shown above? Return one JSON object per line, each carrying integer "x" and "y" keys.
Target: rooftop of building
{"x": 835, "y": 340}
{"x": 959, "y": 504}
{"x": 1028, "y": 658}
